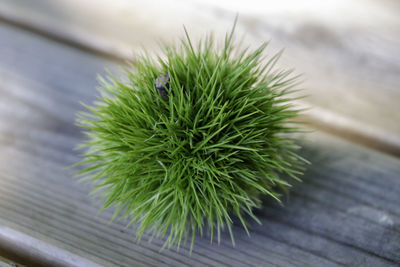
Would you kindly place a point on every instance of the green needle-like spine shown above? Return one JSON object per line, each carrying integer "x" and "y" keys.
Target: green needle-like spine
{"x": 219, "y": 141}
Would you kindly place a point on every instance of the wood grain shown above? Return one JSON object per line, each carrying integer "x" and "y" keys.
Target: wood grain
{"x": 33, "y": 252}
{"x": 344, "y": 213}
{"x": 348, "y": 51}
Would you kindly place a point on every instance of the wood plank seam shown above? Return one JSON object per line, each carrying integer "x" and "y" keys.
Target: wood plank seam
{"x": 88, "y": 222}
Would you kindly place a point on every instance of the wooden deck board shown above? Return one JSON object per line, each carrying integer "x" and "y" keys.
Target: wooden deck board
{"x": 344, "y": 213}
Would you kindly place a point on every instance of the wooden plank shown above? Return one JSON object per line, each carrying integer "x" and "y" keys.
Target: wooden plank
{"x": 351, "y": 62}
{"x": 344, "y": 212}
{"x": 7, "y": 263}
{"x": 29, "y": 251}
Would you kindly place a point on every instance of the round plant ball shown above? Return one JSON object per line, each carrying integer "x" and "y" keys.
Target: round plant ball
{"x": 189, "y": 139}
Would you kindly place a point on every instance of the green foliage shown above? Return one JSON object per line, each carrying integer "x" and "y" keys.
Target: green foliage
{"x": 210, "y": 150}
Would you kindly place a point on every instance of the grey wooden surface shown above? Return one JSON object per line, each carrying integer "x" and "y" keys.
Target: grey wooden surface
{"x": 348, "y": 50}
{"x": 6, "y": 263}
{"x": 345, "y": 212}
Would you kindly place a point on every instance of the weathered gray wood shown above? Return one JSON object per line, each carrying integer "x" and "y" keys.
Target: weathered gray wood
{"x": 7, "y": 263}
{"x": 344, "y": 213}
{"x": 349, "y": 52}
{"x": 33, "y": 252}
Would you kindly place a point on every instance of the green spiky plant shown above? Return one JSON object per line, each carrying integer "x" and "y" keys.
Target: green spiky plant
{"x": 206, "y": 146}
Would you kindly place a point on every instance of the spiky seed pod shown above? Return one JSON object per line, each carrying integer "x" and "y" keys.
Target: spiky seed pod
{"x": 207, "y": 144}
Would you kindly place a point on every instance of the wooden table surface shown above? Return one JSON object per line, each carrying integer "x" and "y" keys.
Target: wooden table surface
{"x": 345, "y": 212}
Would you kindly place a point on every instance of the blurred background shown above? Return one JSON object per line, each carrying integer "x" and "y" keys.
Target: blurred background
{"x": 348, "y": 51}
